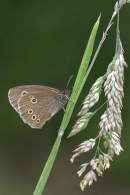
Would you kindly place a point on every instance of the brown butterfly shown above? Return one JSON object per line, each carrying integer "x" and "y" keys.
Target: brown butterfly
{"x": 37, "y": 104}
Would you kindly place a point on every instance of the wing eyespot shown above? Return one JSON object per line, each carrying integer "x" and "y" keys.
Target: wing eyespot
{"x": 38, "y": 120}
{"x": 33, "y": 100}
{"x": 30, "y": 111}
{"x": 34, "y": 117}
{"x": 24, "y": 93}
{"x": 31, "y": 96}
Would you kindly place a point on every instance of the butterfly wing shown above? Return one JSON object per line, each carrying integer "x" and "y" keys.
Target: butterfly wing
{"x": 35, "y": 104}
{"x": 14, "y": 94}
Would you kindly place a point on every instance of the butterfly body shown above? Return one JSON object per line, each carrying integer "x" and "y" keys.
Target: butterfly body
{"x": 37, "y": 104}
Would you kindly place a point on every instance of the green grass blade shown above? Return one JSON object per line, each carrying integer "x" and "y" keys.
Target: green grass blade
{"x": 79, "y": 83}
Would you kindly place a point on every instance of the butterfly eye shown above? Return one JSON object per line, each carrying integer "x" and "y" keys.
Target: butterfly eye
{"x": 30, "y": 111}
{"x": 33, "y": 100}
{"x": 34, "y": 117}
{"x": 38, "y": 120}
{"x": 24, "y": 93}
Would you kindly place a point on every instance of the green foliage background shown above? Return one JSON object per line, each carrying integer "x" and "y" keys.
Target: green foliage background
{"x": 42, "y": 42}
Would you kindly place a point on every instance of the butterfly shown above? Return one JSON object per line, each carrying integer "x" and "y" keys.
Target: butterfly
{"x": 36, "y": 104}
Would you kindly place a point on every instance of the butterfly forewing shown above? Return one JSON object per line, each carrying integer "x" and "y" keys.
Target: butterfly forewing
{"x": 15, "y": 93}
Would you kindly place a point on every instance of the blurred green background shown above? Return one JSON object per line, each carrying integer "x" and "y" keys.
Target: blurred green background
{"x": 42, "y": 42}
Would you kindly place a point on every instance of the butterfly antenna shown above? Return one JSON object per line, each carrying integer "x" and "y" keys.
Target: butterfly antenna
{"x": 69, "y": 81}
